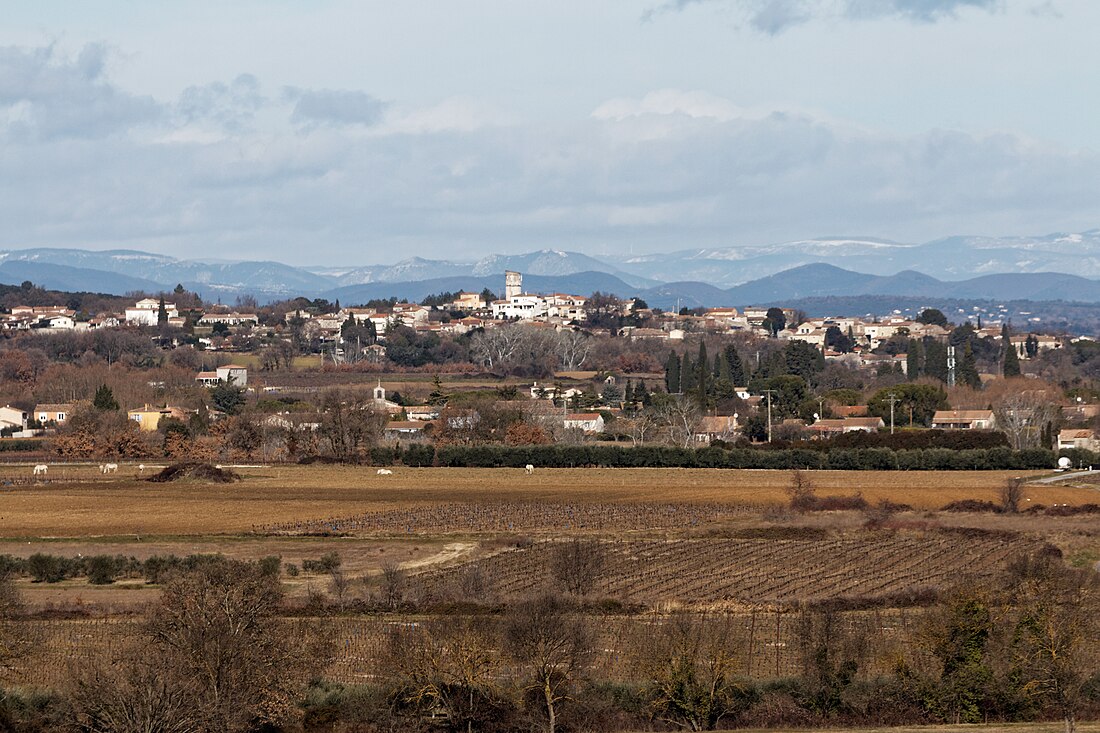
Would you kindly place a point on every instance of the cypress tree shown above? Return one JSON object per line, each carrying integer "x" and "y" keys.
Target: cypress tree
{"x": 688, "y": 377}
{"x": 935, "y": 360}
{"x": 968, "y": 368}
{"x": 914, "y": 355}
{"x": 703, "y": 380}
{"x": 735, "y": 367}
{"x": 1010, "y": 367}
{"x": 162, "y": 313}
{"x": 672, "y": 373}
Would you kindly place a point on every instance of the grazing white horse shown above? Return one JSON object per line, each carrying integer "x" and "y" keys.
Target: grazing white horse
{"x": 385, "y": 472}
{"x": 141, "y": 468}
{"x": 41, "y": 469}
{"x": 529, "y": 469}
{"x": 108, "y": 468}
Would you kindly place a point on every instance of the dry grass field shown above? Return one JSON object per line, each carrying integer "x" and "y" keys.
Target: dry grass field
{"x": 78, "y": 502}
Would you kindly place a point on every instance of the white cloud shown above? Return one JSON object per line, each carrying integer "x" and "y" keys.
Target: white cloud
{"x": 224, "y": 171}
{"x": 776, "y": 16}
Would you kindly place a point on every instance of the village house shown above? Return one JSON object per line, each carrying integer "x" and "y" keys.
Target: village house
{"x": 13, "y": 418}
{"x": 407, "y": 429}
{"x": 148, "y": 418}
{"x": 589, "y": 422}
{"x": 1070, "y": 439}
{"x": 964, "y": 420}
{"x": 716, "y": 427}
{"x": 467, "y": 302}
{"x": 53, "y": 413}
{"x": 828, "y": 427}
{"x": 229, "y": 319}
{"x": 234, "y": 374}
{"x": 146, "y": 312}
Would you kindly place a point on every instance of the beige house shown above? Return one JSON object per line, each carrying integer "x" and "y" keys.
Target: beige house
{"x": 1070, "y": 439}
{"x": 716, "y": 427}
{"x": 964, "y": 420}
{"x": 56, "y": 413}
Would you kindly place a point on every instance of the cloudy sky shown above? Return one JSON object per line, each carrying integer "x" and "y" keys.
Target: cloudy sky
{"x": 355, "y": 132}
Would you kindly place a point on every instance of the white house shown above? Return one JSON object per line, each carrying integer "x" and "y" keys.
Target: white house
{"x": 234, "y": 373}
{"x": 13, "y": 417}
{"x": 589, "y": 422}
{"x": 145, "y": 312}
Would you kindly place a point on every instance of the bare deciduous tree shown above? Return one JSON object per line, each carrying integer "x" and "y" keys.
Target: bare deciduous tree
{"x": 572, "y": 349}
{"x": 449, "y": 667}
{"x": 1056, "y": 622}
{"x": 217, "y": 627}
{"x": 690, "y": 666}
{"x": 134, "y": 693}
{"x": 1023, "y": 414}
{"x": 681, "y": 418}
{"x": 576, "y": 564}
{"x": 553, "y": 646}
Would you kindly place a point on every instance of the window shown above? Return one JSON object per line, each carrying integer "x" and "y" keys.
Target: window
{"x": 60, "y": 416}
{"x": 43, "y": 417}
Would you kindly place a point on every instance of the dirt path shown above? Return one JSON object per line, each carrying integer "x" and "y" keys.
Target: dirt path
{"x": 449, "y": 553}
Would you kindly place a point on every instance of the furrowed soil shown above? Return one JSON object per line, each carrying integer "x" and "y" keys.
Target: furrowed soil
{"x": 77, "y": 501}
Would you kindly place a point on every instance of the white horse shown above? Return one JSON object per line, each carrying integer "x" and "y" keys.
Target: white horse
{"x": 109, "y": 467}
{"x": 529, "y": 469}
{"x": 385, "y": 472}
{"x": 41, "y": 469}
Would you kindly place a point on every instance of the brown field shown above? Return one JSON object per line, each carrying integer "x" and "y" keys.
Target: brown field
{"x": 77, "y": 502}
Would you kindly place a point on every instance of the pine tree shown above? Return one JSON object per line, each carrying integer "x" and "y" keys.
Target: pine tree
{"x": 913, "y": 357}
{"x": 736, "y": 369}
{"x": 104, "y": 400}
{"x": 968, "y": 368}
{"x": 672, "y": 373}
{"x": 1010, "y": 367}
{"x": 162, "y": 313}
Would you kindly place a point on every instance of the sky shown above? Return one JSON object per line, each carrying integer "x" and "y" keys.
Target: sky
{"x": 335, "y": 132}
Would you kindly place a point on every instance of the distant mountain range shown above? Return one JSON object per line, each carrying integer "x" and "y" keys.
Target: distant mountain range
{"x": 1050, "y": 267}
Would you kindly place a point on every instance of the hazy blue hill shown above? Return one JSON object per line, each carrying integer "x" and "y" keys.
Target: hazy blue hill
{"x": 73, "y": 279}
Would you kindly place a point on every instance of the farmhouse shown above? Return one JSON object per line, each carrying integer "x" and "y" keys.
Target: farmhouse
{"x": 229, "y": 319}
{"x": 963, "y": 420}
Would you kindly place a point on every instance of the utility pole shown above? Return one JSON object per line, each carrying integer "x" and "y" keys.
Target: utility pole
{"x": 769, "y": 392}
{"x": 950, "y": 366}
{"x": 893, "y": 400}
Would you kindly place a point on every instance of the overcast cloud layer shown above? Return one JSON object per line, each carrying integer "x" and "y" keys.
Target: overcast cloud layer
{"x": 639, "y": 141}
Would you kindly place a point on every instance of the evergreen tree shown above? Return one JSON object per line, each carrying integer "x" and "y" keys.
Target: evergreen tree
{"x": 162, "y": 313}
{"x": 735, "y": 366}
{"x": 1031, "y": 346}
{"x": 672, "y": 373}
{"x": 914, "y": 355}
{"x": 703, "y": 378}
{"x": 105, "y": 399}
{"x": 935, "y": 359}
{"x": 968, "y": 368}
{"x": 688, "y": 376}
{"x": 723, "y": 366}
{"x": 1010, "y": 367}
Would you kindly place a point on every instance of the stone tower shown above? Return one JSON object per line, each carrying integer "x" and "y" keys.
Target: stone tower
{"x": 513, "y": 284}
